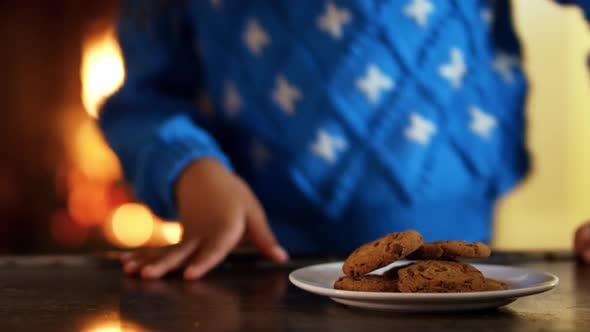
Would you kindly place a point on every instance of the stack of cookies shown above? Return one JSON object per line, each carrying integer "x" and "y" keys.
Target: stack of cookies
{"x": 436, "y": 269}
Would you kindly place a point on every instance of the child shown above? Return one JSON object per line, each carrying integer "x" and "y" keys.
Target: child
{"x": 344, "y": 119}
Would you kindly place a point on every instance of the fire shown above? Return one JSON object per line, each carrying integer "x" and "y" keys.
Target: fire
{"x": 88, "y": 202}
{"x": 92, "y": 155}
{"x": 171, "y": 231}
{"x": 96, "y": 196}
{"x": 94, "y": 165}
{"x": 102, "y": 71}
{"x": 132, "y": 225}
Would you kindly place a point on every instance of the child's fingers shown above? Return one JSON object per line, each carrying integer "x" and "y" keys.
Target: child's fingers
{"x": 139, "y": 258}
{"x": 126, "y": 256}
{"x": 134, "y": 265}
{"x": 169, "y": 260}
{"x": 139, "y": 254}
{"x": 209, "y": 253}
{"x": 262, "y": 236}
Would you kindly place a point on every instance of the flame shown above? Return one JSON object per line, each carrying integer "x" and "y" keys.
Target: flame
{"x": 132, "y": 225}
{"x": 92, "y": 155}
{"x": 102, "y": 71}
{"x": 94, "y": 165}
{"x": 171, "y": 231}
{"x": 95, "y": 168}
{"x": 88, "y": 203}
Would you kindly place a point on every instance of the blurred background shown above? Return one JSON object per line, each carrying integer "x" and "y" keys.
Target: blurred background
{"x": 61, "y": 188}
{"x": 60, "y": 184}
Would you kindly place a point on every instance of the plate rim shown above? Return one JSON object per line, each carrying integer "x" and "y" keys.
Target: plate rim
{"x": 468, "y": 296}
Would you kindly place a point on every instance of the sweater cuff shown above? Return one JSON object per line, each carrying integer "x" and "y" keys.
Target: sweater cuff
{"x": 162, "y": 161}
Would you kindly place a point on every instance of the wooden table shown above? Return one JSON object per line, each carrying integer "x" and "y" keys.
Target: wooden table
{"x": 83, "y": 293}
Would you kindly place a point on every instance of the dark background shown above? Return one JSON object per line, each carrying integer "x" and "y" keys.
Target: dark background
{"x": 40, "y": 87}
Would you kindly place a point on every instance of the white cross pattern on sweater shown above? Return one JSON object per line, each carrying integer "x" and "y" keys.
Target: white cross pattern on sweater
{"x": 419, "y": 10}
{"x": 333, "y": 20}
{"x": 327, "y": 146}
{"x": 374, "y": 83}
{"x": 455, "y": 70}
{"x": 260, "y": 155}
{"x": 503, "y": 65}
{"x": 255, "y": 37}
{"x": 232, "y": 102}
{"x": 420, "y": 129}
{"x": 487, "y": 16}
{"x": 482, "y": 123}
{"x": 285, "y": 95}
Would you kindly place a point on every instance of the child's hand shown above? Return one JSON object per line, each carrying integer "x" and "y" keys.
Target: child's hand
{"x": 216, "y": 207}
{"x": 582, "y": 242}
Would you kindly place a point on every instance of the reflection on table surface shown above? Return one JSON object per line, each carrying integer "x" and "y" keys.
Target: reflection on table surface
{"x": 90, "y": 294}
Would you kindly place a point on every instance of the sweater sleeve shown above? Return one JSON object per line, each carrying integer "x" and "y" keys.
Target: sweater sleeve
{"x": 151, "y": 122}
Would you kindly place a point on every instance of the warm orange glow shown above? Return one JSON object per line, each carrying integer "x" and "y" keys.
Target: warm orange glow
{"x": 112, "y": 327}
{"x": 66, "y": 232}
{"x": 107, "y": 328}
{"x": 93, "y": 168}
{"x": 92, "y": 155}
{"x": 102, "y": 71}
{"x": 104, "y": 323}
{"x": 171, "y": 231}
{"x": 88, "y": 203}
{"x": 132, "y": 225}
{"x": 117, "y": 196}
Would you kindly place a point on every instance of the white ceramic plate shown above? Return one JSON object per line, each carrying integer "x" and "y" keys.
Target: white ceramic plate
{"x": 319, "y": 279}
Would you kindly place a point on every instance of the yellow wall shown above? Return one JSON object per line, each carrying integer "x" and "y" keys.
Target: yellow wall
{"x": 545, "y": 210}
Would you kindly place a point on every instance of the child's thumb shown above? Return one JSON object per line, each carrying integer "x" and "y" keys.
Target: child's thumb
{"x": 262, "y": 236}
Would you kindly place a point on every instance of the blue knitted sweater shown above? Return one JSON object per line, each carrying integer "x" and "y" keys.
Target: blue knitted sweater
{"x": 348, "y": 118}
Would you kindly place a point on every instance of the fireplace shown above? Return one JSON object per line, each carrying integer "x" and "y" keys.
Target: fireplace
{"x": 61, "y": 186}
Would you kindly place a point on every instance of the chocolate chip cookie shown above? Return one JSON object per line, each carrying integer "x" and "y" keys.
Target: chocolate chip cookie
{"x": 367, "y": 283}
{"x": 392, "y": 273}
{"x": 449, "y": 250}
{"x": 495, "y": 285}
{"x": 433, "y": 276}
{"x": 381, "y": 252}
